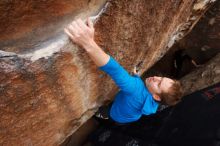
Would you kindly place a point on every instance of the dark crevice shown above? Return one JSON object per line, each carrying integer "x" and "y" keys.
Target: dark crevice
{"x": 194, "y": 50}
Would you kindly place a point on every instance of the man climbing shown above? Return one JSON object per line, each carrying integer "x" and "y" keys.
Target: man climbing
{"x": 136, "y": 97}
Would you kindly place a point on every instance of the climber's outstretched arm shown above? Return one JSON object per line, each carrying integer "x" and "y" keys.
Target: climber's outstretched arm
{"x": 83, "y": 35}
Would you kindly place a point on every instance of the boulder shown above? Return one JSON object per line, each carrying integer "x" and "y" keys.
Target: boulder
{"x": 49, "y": 86}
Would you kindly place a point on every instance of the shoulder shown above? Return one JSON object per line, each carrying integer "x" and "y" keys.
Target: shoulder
{"x": 139, "y": 86}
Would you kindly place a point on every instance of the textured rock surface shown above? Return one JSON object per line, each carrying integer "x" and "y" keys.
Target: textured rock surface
{"x": 203, "y": 77}
{"x": 48, "y": 86}
{"x": 201, "y": 44}
{"x": 205, "y": 35}
{"x": 204, "y": 41}
{"x": 26, "y": 24}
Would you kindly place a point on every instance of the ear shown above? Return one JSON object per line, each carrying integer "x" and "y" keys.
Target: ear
{"x": 156, "y": 97}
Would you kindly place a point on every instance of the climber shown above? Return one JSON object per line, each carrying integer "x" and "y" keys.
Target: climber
{"x": 136, "y": 97}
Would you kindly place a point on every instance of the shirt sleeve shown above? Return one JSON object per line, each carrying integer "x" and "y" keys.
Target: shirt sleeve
{"x": 121, "y": 77}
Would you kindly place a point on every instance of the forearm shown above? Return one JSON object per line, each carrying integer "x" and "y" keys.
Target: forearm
{"x": 99, "y": 57}
{"x": 83, "y": 35}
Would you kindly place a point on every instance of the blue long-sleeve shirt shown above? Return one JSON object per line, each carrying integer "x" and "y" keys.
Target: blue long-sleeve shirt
{"x": 133, "y": 99}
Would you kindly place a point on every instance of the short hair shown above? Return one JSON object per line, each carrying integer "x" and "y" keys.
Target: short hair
{"x": 173, "y": 95}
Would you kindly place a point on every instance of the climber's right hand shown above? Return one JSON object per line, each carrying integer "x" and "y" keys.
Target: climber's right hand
{"x": 80, "y": 33}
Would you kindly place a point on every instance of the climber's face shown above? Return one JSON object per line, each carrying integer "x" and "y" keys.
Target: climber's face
{"x": 157, "y": 85}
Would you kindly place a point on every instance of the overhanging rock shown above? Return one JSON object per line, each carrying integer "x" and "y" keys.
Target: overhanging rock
{"x": 48, "y": 86}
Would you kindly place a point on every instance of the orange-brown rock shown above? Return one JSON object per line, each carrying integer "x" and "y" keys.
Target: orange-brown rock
{"x": 48, "y": 86}
{"x": 26, "y": 24}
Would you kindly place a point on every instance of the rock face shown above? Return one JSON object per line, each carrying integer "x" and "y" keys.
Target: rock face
{"x": 201, "y": 44}
{"x": 203, "y": 77}
{"x": 206, "y": 43}
{"x": 27, "y": 24}
{"x": 48, "y": 86}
